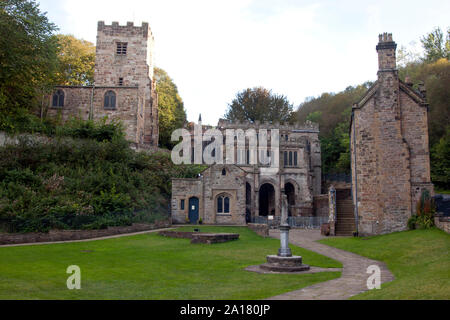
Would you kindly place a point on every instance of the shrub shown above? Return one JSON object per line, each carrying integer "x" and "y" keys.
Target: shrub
{"x": 425, "y": 209}
{"x": 90, "y": 182}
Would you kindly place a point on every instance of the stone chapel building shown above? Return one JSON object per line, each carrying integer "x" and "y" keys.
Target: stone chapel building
{"x": 234, "y": 194}
{"x": 124, "y": 86}
{"x": 390, "y": 159}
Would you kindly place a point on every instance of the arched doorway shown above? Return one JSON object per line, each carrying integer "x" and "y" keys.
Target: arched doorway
{"x": 266, "y": 200}
{"x": 193, "y": 210}
{"x": 248, "y": 203}
{"x": 289, "y": 189}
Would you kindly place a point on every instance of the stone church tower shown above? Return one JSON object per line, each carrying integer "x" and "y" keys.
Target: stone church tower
{"x": 389, "y": 149}
{"x": 124, "y": 85}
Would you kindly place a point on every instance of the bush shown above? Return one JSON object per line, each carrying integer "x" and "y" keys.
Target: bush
{"x": 424, "y": 218}
{"x": 88, "y": 183}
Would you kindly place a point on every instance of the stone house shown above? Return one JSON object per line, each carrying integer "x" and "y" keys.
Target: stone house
{"x": 124, "y": 85}
{"x": 235, "y": 193}
{"x": 390, "y": 160}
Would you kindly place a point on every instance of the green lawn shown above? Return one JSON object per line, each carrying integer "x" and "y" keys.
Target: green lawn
{"x": 152, "y": 267}
{"x": 419, "y": 260}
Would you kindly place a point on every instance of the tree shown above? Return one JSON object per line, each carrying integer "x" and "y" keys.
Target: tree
{"x": 435, "y": 46}
{"x": 27, "y": 55}
{"x": 259, "y": 104}
{"x": 171, "y": 108}
{"x": 76, "y": 61}
{"x": 440, "y": 157}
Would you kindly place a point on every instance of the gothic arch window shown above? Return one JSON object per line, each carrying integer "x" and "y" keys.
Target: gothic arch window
{"x": 58, "y": 99}
{"x": 110, "y": 100}
{"x": 223, "y": 204}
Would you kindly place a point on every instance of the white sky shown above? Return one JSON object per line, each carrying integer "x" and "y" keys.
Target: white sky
{"x": 213, "y": 49}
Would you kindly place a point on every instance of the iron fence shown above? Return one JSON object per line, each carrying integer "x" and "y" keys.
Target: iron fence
{"x": 294, "y": 222}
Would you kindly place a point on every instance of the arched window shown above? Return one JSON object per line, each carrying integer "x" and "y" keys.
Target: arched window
{"x": 220, "y": 205}
{"x": 223, "y": 204}
{"x": 110, "y": 100}
{"x": 58, "y": 99}
{"x": 224, "y": 172}
{"x": 226, "y": 205}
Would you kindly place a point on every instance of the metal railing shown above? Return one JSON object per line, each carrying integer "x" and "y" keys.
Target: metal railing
{"x": 294, "y": 222}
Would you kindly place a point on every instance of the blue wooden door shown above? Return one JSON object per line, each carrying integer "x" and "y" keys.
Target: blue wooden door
{"x": 193, "y": 210}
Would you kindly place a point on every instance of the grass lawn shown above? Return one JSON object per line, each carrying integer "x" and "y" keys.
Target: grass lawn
{"x": 419, "y": 260}
{"x": 153, "y": 267}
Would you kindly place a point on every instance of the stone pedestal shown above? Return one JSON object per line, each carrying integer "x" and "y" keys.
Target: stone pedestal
{"x": 284, "y": 264}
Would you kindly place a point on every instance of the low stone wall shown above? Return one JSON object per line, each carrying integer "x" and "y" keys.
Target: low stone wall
{"x": 321, "y": 207}
{"x": 260, "y": 229}
{"x": 442, "y": 223}
{"x": 70, "y": 235}
{"x": 198, "y": 237}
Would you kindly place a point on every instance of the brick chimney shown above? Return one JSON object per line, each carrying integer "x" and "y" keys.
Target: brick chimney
{"x": 386, "y": 52}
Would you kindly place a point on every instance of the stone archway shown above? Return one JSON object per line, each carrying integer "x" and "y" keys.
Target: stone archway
{"x": 289, "y": 189}
{"x": 248, "y": 203}
{"x": 267, "y": 204}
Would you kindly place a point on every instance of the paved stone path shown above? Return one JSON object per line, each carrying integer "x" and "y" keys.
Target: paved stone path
{"x": 354, "y": 277}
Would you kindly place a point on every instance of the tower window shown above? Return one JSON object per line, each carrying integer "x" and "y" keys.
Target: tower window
{"x": 58, "y": 99}
{"x": 122, "y": 48}
{"x": 110, "y": 100}
{"x": 120, "y": 81}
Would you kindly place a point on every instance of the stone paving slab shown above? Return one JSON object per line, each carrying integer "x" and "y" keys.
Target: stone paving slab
{"x": 258, "y": 269}
{"x": 354, "y": 274}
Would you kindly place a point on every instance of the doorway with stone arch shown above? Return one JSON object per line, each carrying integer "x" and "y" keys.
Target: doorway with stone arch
{"x": 289, "y": 190}
{"x": 267, "y": 200}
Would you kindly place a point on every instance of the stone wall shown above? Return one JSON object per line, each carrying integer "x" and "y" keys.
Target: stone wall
{"x": 260, "y": 229}
{"x": 442, "y": 223}
{"x": 321, "y": 206}
{"x": 87, "y": 103}
{"x": 70, "y": 235}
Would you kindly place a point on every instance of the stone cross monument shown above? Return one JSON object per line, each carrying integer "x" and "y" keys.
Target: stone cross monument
{"x": 284, "y": 250}
{"x": 284, "y": 261}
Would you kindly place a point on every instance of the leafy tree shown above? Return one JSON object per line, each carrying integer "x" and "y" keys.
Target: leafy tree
{"x": 435, "y": 46}
{"x": 171, "y": 108}
{"x": 440, "y": 158}
{"x": 259, "y": 104}
{"x": 76, "y": 61}
{"x": 314, "y": 116}
{"x": 27, "y": 55}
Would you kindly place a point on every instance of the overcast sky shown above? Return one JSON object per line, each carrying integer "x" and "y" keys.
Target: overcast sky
{"x": 213, "y": 49}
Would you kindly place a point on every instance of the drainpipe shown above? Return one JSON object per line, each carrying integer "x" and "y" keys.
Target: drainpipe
{"x": 356, "y": 176}
{"x": 91, "y": 108}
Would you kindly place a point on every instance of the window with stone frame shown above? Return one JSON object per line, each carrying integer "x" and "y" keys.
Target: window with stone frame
{"x": 182, "y": 204}
{"x": 58, "y": 99}
{"x": 223, "y": 204}
{"x": 110, "y": 100}
{"x": 122, "y": 48}
{"x": 120, "y": 82}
